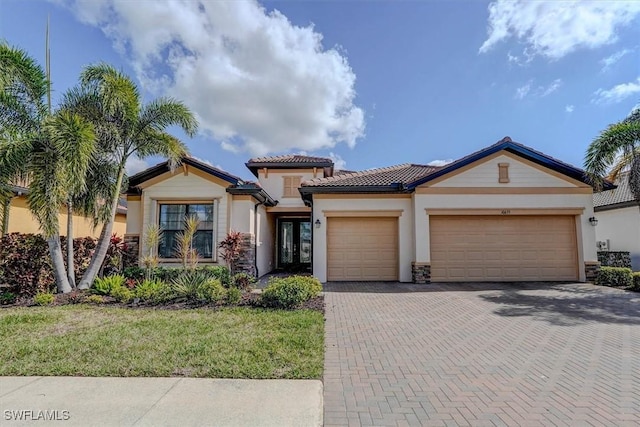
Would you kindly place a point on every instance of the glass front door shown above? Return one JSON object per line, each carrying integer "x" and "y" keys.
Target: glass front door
{"x": 294, "y": 244}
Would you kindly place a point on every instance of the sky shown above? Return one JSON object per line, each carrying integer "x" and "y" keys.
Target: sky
{"x": 367, "y": 83}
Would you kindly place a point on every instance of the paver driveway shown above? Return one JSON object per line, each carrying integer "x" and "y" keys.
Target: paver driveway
{"x": 481, "y": 354}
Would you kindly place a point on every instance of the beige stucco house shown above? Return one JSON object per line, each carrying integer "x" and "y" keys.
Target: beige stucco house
{"x": 618, "y": 217}
{"x": 504, "y": 213}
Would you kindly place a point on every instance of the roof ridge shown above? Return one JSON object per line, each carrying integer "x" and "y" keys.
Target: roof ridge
{"x": 365, "y": 172}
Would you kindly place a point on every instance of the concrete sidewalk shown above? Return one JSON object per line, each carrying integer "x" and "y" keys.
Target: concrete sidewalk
{"x": 83, "y": 401}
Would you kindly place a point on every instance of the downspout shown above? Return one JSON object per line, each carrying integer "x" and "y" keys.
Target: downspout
{"x": 255, "y": 238}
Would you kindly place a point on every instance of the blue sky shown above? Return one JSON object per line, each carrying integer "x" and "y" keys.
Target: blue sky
{"x": 370, "y": 83}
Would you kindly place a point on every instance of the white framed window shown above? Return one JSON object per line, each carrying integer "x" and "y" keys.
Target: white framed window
{"x": 171, "y": 217}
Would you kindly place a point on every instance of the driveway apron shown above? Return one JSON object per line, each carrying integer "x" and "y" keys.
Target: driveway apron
{"x": 481, "y": 354}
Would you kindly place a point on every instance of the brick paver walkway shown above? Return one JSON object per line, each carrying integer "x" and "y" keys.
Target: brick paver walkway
{"x": 539, "y": 354}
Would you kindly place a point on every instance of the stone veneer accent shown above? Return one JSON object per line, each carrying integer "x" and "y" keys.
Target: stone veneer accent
{"x": 130, "y": 257}
{"x": 614, "y": 259}
{"x": 591, "y": 270}
{"x": 246, "y": 262}
{"x": 420, "y": 272}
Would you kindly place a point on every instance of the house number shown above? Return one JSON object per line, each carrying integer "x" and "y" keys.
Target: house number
{"x": 505, "y": 212}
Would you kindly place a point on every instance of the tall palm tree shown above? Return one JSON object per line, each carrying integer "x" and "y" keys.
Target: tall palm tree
{"x": 50, "y": 151}
{"x": 615, "y": 151}
{"x": 124, "y": 128}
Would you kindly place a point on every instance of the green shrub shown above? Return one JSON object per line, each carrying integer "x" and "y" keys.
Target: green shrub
{"x": 617, "y": 277}
{"x": 243, "y": 281}
{"x": 234, "y": 295}
{"x": 7, "y": 298}
{"x": 105, "y": 285}
{"x": 636, "y": 281}
{"x": 134, "y": 272}
{"x": 94, "y": 299}
{"x": 219, "y": 272}
{"x": 167, "y": 274}
{"x": 43, "y": 298}
{"x": 290, "y": 292}
{"x": 211, "y": 290}
{"x": 154, "y": 291}
{"x": 122, "y": 294}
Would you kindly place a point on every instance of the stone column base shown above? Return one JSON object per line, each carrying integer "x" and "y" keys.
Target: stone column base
{"x": 591, "y": 269}
{"x": 131, "y": 257}
{"x": 421, "y": 272}
{"x": 246, "y": 263}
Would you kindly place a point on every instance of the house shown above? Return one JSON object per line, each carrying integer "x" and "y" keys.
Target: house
{"x": 618, "y": 217}
{"x": 20, "y": 220}
{"x": 504, "y": 213}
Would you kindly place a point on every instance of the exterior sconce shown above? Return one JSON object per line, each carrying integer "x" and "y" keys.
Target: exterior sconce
{"x": 593, "y": 221}
{"x": 318, "y": 223}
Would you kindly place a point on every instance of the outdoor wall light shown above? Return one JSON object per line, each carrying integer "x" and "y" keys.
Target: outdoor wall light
{"x": 318, "y": 223}
{"x": 593, "y": 220}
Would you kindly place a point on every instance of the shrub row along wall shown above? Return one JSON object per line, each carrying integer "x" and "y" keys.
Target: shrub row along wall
{"x": 614, "y": 259}
{"x": 25, "y": 266}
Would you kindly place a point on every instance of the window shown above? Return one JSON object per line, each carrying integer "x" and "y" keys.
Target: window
{"x": 291, "y": 185}
{"x": 172, "y": 218}
{"x": 503, "y": 173}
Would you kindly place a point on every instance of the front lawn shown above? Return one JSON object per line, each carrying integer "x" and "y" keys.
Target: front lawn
{"x": 84, "y": 340}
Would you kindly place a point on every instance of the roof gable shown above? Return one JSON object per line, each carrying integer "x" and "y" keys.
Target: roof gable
{"x": 509, "y": 146}
{"x": 156, "y": 171}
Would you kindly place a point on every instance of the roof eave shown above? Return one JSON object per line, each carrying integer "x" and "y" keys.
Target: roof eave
{"x": 613, "y": 206}
{"x": 258, "y": 193}
{"x": 255, "y": 166}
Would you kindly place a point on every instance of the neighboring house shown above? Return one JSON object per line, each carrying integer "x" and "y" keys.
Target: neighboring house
{"x": 618, "y": 216}
{"x": 20, "y": 219}
{"x": 505, "y": 213}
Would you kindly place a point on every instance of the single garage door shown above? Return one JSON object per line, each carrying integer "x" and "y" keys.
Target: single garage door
{"x": 362, "y": 249}
{"x": 503, "y": 248}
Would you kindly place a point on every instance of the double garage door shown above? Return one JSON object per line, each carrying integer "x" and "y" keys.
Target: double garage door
{"x": 463, "y": 248}
{"x": 503, "y": 248}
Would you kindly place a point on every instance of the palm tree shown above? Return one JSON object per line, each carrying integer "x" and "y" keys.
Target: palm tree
{"x": 124, "y": 128}
{"x": 50, "y": 151}
{"x": 615, "y": 151}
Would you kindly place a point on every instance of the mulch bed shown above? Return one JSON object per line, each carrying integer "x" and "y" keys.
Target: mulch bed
{"x": 80, "y": 297}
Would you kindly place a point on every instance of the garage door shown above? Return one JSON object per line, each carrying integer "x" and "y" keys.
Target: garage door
{"x": 362, "y": 249}
{"x": 490, "y": 248}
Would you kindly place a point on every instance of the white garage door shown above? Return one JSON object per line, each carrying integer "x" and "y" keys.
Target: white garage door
{"x": 503, "y": 248}
{"x": 362, "y": 249}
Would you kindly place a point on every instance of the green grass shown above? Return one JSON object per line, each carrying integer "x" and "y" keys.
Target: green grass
{"x": 104, "y": 341}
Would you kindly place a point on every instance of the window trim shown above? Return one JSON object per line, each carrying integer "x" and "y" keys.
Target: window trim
{"x": 192, "y": 201}
{"x": 293, "y": 193}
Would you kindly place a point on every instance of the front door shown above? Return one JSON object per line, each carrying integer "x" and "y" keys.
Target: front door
{"x": 294, "y": 244}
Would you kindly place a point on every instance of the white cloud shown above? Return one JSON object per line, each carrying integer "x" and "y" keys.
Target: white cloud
{"x": 205, "y": 161}
{"x": 338, "y": 162}
{"x": 540, "y": 91}
{"x": 610, "y": 60}
{"x": 569, "y": 108}
{"x": 257, "y": 82}
{"x": 523, "y": 91}
{"x": 617, "y": 93}
{"x": 439, "y": 162}
{"x": 554, "y": 29}
{"x": 135, "y": 165}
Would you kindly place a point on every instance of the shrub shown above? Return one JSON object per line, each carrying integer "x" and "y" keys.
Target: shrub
{"x": 154, "y": 291}
{"x": 211, "y": 290}
{"x": 195, "y": 285}
{"x": 104, "y": 285}
{"x": 243, "y": 281}
{"x": 636, "y": 281}
{"x": 94, "y": 299}
{"x": 234, "y": 295}
{"x": 7, "y": 298}
{"x": 134, "y": 272}
{"x": 25, "y": 264}
{"x": 167, "y": 274}
{"x": 617, "y": 277}
{"x": 231, "y": 249}
{"x": 219, "y": 272}
{"x": 122, "y": 294}
{"x": 290, "y": 292}
{"x": 43, "y": 298}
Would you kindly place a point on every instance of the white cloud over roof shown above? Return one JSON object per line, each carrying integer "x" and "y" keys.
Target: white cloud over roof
{"x": 257, "y": 82}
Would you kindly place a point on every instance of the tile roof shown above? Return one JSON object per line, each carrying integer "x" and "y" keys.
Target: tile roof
{"x": 291, "y": 158}
{"x": 403, "y": 174}
{"x": 622, "y": 194}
